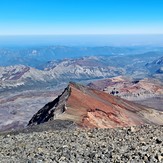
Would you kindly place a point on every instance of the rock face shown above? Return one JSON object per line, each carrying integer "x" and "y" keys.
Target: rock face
{"x": 20, "y": 75}
{"x": 146, "y": 91}
{"x": 85, "y": 68}
{"x": 57, "y": 72}
{"x": 155, "y": 65}
{"x": 156, "y": 68}
{"x": 52, "y": 109}
{"x": 91, "y": 108}
{"x": 128, "y": 88}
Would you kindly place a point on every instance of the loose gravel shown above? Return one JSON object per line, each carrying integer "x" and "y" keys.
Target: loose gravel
{"x": 142, "y": 144}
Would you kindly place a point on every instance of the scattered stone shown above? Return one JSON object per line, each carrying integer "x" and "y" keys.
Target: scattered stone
{"x": 158, "y": 141}
{"x": 77, "y": 145}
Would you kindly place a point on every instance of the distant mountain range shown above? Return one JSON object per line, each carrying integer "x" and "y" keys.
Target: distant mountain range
{"x": 65, "y": 71}
{"x": 30, "y": 77}
{"x": 156, "y": 66}
{"x": 37, "y": 57}
{"x": 80, "y": 69}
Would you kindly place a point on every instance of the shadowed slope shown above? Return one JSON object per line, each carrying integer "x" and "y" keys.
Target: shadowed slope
{"x": 92, "y": 108}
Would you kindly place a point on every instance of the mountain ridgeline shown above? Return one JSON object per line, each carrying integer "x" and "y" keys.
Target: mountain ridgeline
{"x": 81, "y": 69}
{"x": 38, "y": 56}
{"x": 90, "y": 108}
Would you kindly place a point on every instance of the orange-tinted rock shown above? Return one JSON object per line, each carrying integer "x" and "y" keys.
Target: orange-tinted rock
{"x": 128, "y": 88}
{"x": 92, "y": 108}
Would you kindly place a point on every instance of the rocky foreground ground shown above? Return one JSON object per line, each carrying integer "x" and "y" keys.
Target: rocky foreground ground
{"x": 132, "y": 145}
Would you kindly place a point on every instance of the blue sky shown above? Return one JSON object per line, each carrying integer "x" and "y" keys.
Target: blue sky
{"x": 46, "y": 17}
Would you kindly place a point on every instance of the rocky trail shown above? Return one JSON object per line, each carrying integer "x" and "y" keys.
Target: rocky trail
{"x": 130, "y": 145}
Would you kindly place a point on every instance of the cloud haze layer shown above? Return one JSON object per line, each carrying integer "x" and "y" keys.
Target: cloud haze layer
{"x": 81, "y": 40}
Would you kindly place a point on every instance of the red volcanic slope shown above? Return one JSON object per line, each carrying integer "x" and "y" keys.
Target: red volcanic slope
{"x": 92, "y": 108}
{"x": 128, "y": 88}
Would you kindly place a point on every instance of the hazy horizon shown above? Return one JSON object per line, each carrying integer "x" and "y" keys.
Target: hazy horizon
{"x": 81, "y": 40}
{"x": 81, "y": 23}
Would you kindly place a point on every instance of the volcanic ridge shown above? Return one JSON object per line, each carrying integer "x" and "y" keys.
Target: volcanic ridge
{"x": 91, "y": 108}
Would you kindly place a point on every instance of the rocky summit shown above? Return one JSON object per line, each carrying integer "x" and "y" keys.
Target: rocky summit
{"x": 90, "y": 108}
{"x": 142, "y": 144}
